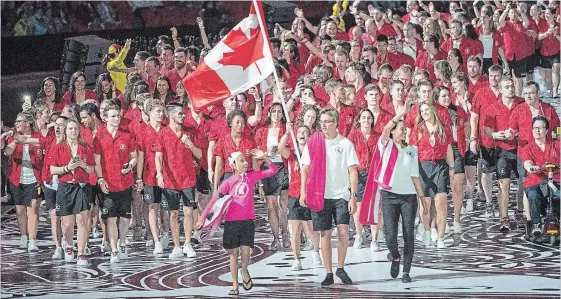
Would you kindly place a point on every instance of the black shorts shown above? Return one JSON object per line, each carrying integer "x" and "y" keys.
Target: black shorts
{"x": 362, "y": 177}
{"x": 296, "y": 211}
{"x": 203, "y": 184}
{"x": 24, "y": 194}
{"x": 470, "y": 158}
{"x": 96, "y": 195}
{"x": 117, "y": 204}
{"x": 532, "y": 61}
{"x": 459, "y": 160}
{"x": 72, "y": 199}
{"x": 435, "y": 177}
{"x": 506, "y": 161}
{"x": 238, "y": 233}
{"x": 518, "y": 67}
{"x": 487, "y": 159}
{"x": 152, "y": 194}
{"x": 50, "y": 198}
{"x": 172, "y": 197}
{"x": 547, "y": 62}
{"x": 337, "y": 209}
{"x": 273, "y": 185}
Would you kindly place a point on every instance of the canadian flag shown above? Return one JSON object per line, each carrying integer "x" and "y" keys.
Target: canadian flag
{"x": 239, "y": 61}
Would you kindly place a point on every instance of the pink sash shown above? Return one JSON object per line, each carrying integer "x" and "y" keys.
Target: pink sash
{"x": 380, "y": 177}
{"x": 315, "y": 185}
{"x": 216, "y": 214}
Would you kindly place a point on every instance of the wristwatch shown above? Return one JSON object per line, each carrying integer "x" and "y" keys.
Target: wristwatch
{"x": 354, "y": 194}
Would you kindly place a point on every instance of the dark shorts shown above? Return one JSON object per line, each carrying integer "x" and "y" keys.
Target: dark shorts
{"x": 506, "y": 163}
{"x": 518, "y": 67}
{"x": 521, "y": 172}
{"x": 487, "y": 63}
{"x": 24, "y": 194}
{"x": 435, "y": 177}
{"x": 117, "y": 204}
{"x": 72, "y": 199}
{"x": 238, "y": 233}
{"x": 362, "y": 177}
{"x": 152, "y": 194}
{"x": 532, "y": 61}
{"x": 50, "y": 198}
{"x": 337, "y": 209}
{"x": 296, "y": 211}
{"x": 487, "y": 159}
{"x": 172, "y": 198}
{"x": 548, "y": 61}
{"x": 275, "y": 184}
{"x": 96, "y": 195}
{"x": 471, "y": 158}
{"x": 459, "y": 160}
{"x": 203, "y": 184}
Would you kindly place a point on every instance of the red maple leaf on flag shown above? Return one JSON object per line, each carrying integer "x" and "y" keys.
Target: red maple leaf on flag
{"x": 245, "y": 51}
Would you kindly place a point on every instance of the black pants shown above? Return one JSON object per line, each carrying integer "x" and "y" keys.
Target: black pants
{"x": 393, "y": 206}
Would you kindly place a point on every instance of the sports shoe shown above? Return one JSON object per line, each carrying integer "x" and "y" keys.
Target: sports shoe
{"x": 469, "y": 205}
{"x": 316, "y": 257}
{"x": 23, "y": 242}
{"x": 274, "y": 246}
{"x": 150, "y": 243}
{"x": 297, "y": 265}
{"x": 505, "y": 225}
{"x": 420, "y": 232}
{"x": 137, "y": 233}
{"x": 480, "y": 196}
{"x": 426, "y": 238}
{"x": 308, "y": 245}
{"x": 358, "y": 241}
{"x": 328, "y": 280}
{"x": 536, "y": 229}
{"x": 381, "y": 236}
{"x": 394, "y": 269}
{"x": 342, "y": 274}
{"x": 105, "y": 248}
{"x": 463, "y": 210}
{"x": 82, "y": 261}
{"x": 519, "y": 218}
{"x": 405, "y": 278}
{"x": 433, "y": 234}
{"x": 123, "y": 252}
{"x": 69, "y": 254}
{"x": 440, "y": 243}
{"x": 196, "y": 237}
{"x": 285, "y": 239}
{"x": 95, "y": 233}
{"x": 334, "y": 233}
{"x": 57, "y": 255}
{"x": 417, "y": 221}
{"x": 114, "y": 257}
{"x": 189, "y": 251}
{"x": 164, "y": 239}
{"x": 87, "y": 251}
{"x": 176, "y": 253}
{"x": 32, "y": 246}
{"x": 457, "y": 227}
{"x": 447, "y": 228}
{"x": 374, "y": 246}
{"x": 158, "y": 248}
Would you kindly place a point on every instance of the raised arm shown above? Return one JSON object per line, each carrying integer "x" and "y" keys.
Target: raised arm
{"x": 283, "y": 148}
{"x": 300, "y": 14}
{"x": 204, "y": 37}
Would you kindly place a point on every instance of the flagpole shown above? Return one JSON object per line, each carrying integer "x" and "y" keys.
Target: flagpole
{"x": 279, "y": 90}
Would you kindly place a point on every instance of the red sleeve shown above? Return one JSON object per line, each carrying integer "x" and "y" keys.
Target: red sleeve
{"x": 218, "y": 149}
{"x": 89, "y": 155}
{"x": 133, "y": 146}
{"x": 447, "y": 45}
{"x": 449, "y": 137}
{"x": 54, "y": 157}
{"x": 66, "y": 97}
{"x": 413, "y": 138}
{"x": 97, "y": 146}
{"x": 525, "y": 154}
{"x": 158, "y": 143}
{"x": 513, "y": 120}
{"x": 554, "y": 122}
{"x": 410, "y": 118}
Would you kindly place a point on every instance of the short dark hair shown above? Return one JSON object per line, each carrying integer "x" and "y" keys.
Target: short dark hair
{"x": 143, "y": 55}
{"x": 539, "y": 117}
{"x": 233, "y": 114}
{"x": 154, "y": 59}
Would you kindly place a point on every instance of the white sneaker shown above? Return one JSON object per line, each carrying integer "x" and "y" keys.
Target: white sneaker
{"x": 440, "y": 243}
{"x": 82, "y": 261}
{"x": 189, "y": 251}
{"x": 447, "y": 228}
{"x": 426, "y": 238}
{"x": 334, "y": 233}
{"x": 457, "y": 227}
{"x": 69, "y": 254}
{"x": 58, "y": 254}
{"x": 95, "y": 233}
{"x": 87, "y": 251}
{"x": 316, "y": 257}
{"x": 150, "y": 243}
{"x": 463, "y": 210}
{"x": 105, "y": 248}
{"x": 308, "y": 245}
{"x": 297, "y": 265}
{"x": 123, "y": 253}
{"x": 32, "y": 246}
{"x": 374, "y": 246}
{"x": 165, "y": 241}
{"x": 417, "y": 221}
{"x": 176, "y": 253}
{"x": 197, "y": 237}
{"x": 158, "y": 248}
{"x": 381, "y": 236}
{"x": 433, "y": 234}
{"x": 358, "y": 241}
{"x": 114, "y": 257}
{"x": 23, "y": 242}
{"x": 420, "y": 232}
{"x": 469, "y": 205}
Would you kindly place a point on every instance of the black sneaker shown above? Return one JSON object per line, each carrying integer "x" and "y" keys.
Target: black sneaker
{"x": 394, "y": 270}
{"x": 536, "y": 230}
{"x": 343, "y": 276}
{"x": 505, "y": 225}
{"x": 328, "y": 280}
{"x": 405, "y": 278}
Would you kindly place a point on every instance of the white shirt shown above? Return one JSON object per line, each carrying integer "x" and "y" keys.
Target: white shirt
{"x": 341, "y": 155}
{"x": 407, "y": 166}
{"x": 487, "y": 41}
{"x": 27, "y": 176}
{"x": 272, "y": 147}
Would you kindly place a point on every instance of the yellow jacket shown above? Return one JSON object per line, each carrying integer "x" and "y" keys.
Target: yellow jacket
{"x": 118, "y": 62}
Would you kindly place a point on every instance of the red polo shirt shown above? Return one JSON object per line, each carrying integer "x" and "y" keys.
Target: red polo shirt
{"x": 313, "y": 60}
{"x": 387, "y": 30}
{"x": 174, "y": 78}
{"x": 481, "y": 82}
{"x": 178, "y": 170}
{"x": 468, "y": 47}
{"x": 90, "y": 94}
{"x": 361, "y": 102}
{"x": 225, "y": 146}
{"x": 364, "y": 147}
{"x": 550, "y": 44}
{"x": 427, "y": 152}
{"x": 512, "y": 35}
{"x": 521, "y": 121}
{"x": 36, "y": 154}
{"x": 497, "y": 43}
{"x": 347, "y": 115}
{"x": 200, "y": 133}
{"x": 497, "y": 119}
{"x": 165, "y": 70}
{"x": 115, "y": 153}
{"x": 60, "y": 156}
{"x": 417, "y": 48}
{"x": 423, "y": 62}
{"x": 480, "y": 105}
{"x": 320, "y": 94}
{"x": 146, "y": 144}
{"x": 295, "y": 70}
{"x": 532, "y": 152}
{"x": 295, "y": 178}
{"x": 368, "y": 39}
